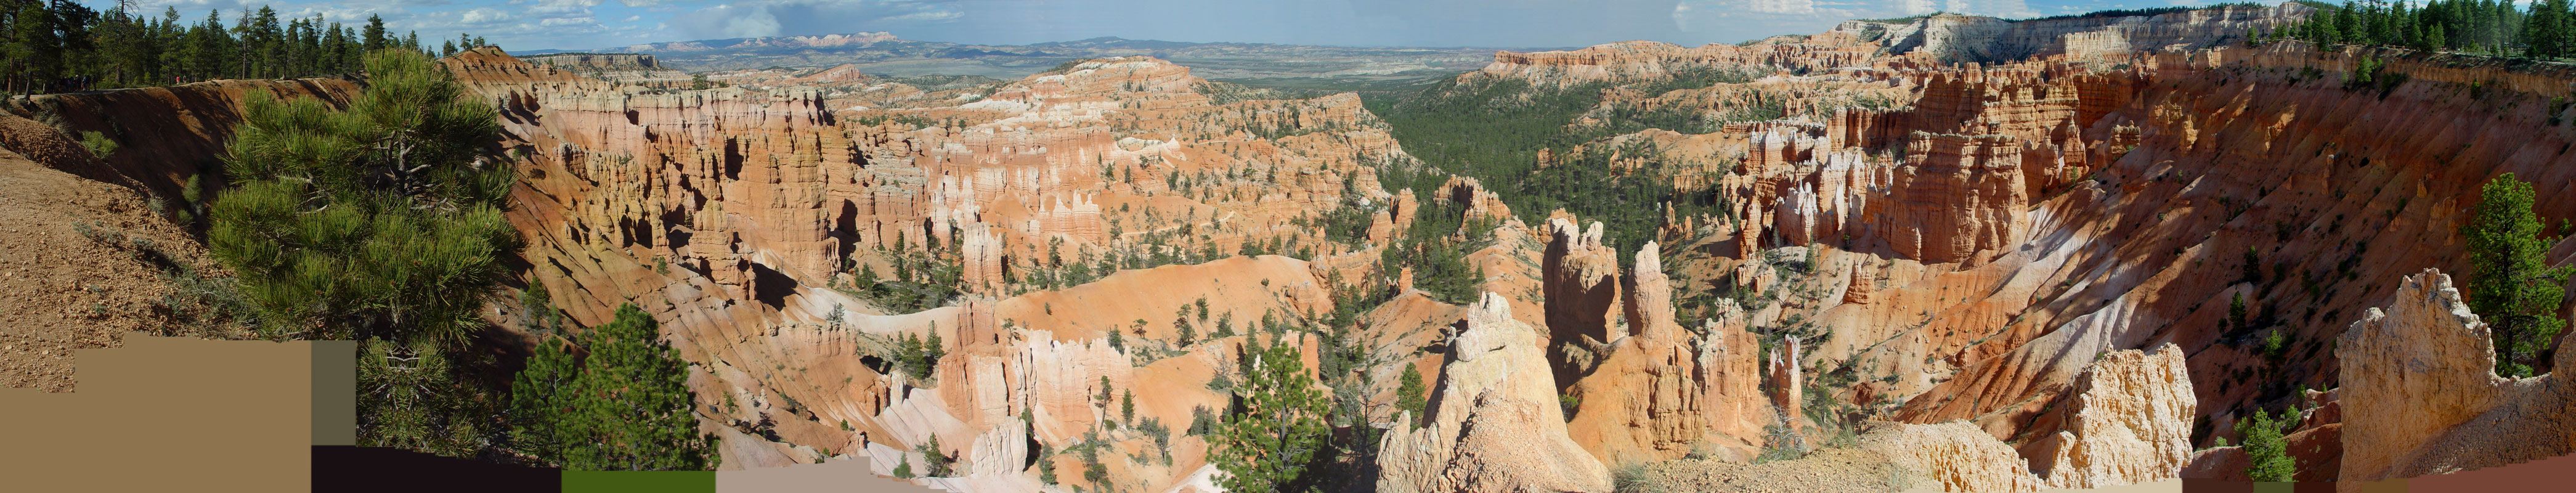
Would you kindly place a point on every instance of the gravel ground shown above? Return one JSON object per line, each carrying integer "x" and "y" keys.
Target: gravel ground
{"x": 1833, "y": 470}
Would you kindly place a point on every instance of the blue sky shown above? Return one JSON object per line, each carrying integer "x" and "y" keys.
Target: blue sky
{"x": 581, "y": 24}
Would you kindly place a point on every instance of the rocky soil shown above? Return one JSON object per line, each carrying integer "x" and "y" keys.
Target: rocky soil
{"x": 90, "y": 248}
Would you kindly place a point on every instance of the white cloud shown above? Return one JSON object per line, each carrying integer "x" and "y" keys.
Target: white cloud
{"x": 1783, "y": 6}
{"x": 757, "y": 24}
{"x": 928, "y": 15}
{"x": 633, "y": 18}
{"x": 2009, "y": 9}
{"x": 564, "y": 6}
{"x": 759, "y": 18}
{"x": 483, "y": 15}
{"x": 569, "y": 21}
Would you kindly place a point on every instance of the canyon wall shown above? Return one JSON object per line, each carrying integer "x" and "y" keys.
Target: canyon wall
{"x": 1958, "y": 38}
{"x": 1971, "y": 253}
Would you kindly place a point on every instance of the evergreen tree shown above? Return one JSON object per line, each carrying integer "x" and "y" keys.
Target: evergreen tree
{"x": 373, "y": 38}
{"x": 1127, "y": 406}
{"x": 2236, "y": 314}
{"x": 2543, "y": 37}
{"x": 2267, "y": 453}
{"x": 2511, "y": 285}
{"x": 34, "y": 52}
{"x": 381, "y": 223}
{"x": 210, "y": 48}
{"x": 932, "y": 351}
{"x": 543, "y": 396}
{"x": 624, "y": 407}
{"x": 1409, "y": 393}
{"x": 383, "y": 220}
{"x": 1104, "y": 392}
{"x": 1275, "y": 434}
{"x": 934, "y": 458}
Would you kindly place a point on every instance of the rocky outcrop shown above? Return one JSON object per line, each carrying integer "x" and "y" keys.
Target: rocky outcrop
{"x": 1954, "y": 456}
{"x": 1958, "y": 196}
{"x": 1493, "y": 420}
{"x": 1664, "y": 392}
{"x": 1581, "y": 286}
{"x": 2130, "y": 422}
{"x": 1472, "y": 196}
{"x": 1730, "y": 383}
{"x": 2420, "y": 394}
{"x": 1788, "y": 379}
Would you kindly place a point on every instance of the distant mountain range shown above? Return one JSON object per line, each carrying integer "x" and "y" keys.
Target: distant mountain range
{"x": 883, "y": 53}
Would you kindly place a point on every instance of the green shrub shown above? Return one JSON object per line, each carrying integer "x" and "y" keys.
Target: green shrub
{"x": 1632, "y": 477}
{"x": 1202, "y": 420}
{"x": 933, "y": 457}
{"x": 99, "y": 144}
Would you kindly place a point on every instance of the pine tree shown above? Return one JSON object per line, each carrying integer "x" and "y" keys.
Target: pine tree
{"x": 1277, "y": 431}
{"x": 2236, "y": 314}
{"x": 1104, "y": 392}
{"x": 381, "y": 223}
{"x": 932, "y": 350}
{"x": 374, "y": 36}
{"x": 542, "y": 395}
{"x": 1409, "y": 394}
{"x": 1127, "y": 406}
{"x": 2511, "y": 285}
{"x": 934, "y": 457}
{"x": 382, "y": 220}
{"x": 34, "y": 52}
{"x": 2267, "y": 453}
{"x": 2545, "y": 36}
{"x": 624, "y": 407}
{"x": 210, "y": 47}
